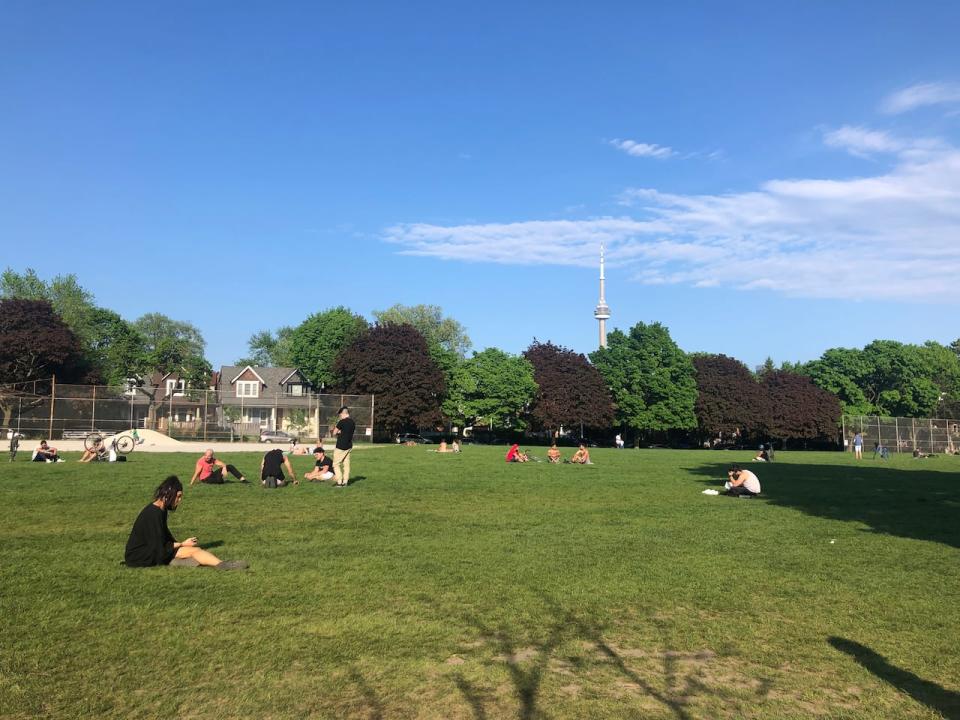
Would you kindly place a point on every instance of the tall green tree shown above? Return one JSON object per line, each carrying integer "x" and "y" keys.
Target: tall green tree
{"x": 116, "y": 349}
{"x": 651, "y": 378}
{"x": 570, "y": 391}
{"x": 270, "y": 349}
{"x": 441, "y": 333}
{"x": 493, "y": 387}
{"x": 393, "y": 363}
{"x": 174, "y": 346}
{"x": 315, "y": 343}
{"x": 844, "y": 372}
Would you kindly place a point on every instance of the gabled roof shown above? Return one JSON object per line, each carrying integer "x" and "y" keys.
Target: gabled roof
{"x": 272, "y": 377}
{"x": 250, "y": 368}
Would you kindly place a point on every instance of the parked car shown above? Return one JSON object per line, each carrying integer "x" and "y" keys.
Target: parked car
{"x": 414, "y": 438}
{"x": 276, "y": 436}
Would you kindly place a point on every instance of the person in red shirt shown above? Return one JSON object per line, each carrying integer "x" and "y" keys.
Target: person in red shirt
{"x": 210, "y": 470}
{"x": 515, "y": 454}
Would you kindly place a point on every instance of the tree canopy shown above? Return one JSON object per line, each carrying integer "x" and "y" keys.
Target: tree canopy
{"x": 651, "y": 378}
{"x": 315, "y": 343}
{"x": 795, "y": 408}
{"x": 270, "y": 349}
{"x": 728, "y": 396}
{"x": 393, "y": 363}
{"x": 570, "y": 391}
{"x": 35, "y": 344}
{"x": 492, "y": 387}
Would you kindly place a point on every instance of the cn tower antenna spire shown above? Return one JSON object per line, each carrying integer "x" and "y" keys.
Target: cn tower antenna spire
{"x": 602, "y": 311}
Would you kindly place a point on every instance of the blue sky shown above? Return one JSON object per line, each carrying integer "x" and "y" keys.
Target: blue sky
{"x": 769, "y": 178}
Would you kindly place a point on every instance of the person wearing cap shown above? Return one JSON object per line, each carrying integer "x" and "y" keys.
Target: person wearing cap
{"x": 341, "y": 453}
{"x": 323, "y": 469}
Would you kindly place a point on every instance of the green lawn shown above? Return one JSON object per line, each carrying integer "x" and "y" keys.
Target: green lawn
{"x": 461, "y": 587}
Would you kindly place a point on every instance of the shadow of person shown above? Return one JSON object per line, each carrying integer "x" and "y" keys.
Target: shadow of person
{"x": 911, "y": 502}
{"x": 934, "y": 696}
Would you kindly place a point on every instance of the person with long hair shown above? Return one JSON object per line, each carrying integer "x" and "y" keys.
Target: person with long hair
{"x": 151, "y": 542}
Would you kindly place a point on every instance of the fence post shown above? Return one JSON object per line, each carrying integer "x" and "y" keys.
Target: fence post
{"x": 896, "y": 427}
{"x": 373, "y": 400}
{"x": 206, "y": 403}
{"x": 93, "y": 410}
{"x": 53, "y": 400}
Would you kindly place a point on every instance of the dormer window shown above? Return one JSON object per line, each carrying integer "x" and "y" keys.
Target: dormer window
{"x": 176, "y": 387}
{"x": 295, "y": 389}
{"x": 248, "y": 389}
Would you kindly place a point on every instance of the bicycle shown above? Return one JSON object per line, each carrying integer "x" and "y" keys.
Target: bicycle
{"x": 122, "y": 444}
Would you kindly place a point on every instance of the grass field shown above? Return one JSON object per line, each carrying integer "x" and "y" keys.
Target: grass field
{"x": 461, "y": 587}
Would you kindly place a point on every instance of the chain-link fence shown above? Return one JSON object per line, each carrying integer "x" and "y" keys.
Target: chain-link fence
{"x": 897, "y": 434}
{"x": 46, "y": 409}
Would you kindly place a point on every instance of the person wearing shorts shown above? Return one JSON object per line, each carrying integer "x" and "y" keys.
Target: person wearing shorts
{"x": 323, "y": 469}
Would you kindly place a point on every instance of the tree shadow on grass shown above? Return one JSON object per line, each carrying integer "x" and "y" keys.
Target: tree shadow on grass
{"x": 527, "y": 664}
{"x": 920, "y": 504}
{"x": 370, "y": 697}
{"x": 937, "y": 698}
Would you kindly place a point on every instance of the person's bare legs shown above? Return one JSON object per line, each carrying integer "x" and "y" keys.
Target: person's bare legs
{"x": 204, "y": 557}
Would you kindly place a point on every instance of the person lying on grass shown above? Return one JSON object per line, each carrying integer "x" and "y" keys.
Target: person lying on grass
{"x": 151, "y": 543}
{"x": 97, "y": 452}
{"x": 515, "y": 454}
{"x": 323, "y": 469}
{"x": 271, "y": 469}
{"x": 581, "y": 456}
{"x": 742, "y": 482}
{"x": 210, "y": 470}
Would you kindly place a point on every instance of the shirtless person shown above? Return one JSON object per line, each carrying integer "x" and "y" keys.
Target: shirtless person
{"x": 742, "y": 482}
{"x": 210, "y": 470}
{"x": 581, "y": 456}
{"x": 553, "y": 454}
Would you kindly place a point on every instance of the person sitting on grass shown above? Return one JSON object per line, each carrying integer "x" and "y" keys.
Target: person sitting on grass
{"x": 45, "y": 453}
{"x": 581, "y": 456}
{"x": 271, "y": 469}
{"x": 761, "y": 455}
{"x": 553, "y": 454}
{"x": 742, "y": 482}
{"x": 97, "y": 452}
{"x": 444, "y": 448}
{"x": 210, "y": 470}
{"x": 515, "y": 454}
{"x": 455, "y": 446}
{"x": 151, "y": 543}
{"x": 323, "y": 469}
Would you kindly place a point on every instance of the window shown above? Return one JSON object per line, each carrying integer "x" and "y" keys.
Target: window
{"x": 295, "y": 389}
{"x": 248, "y": 388}
{"x": 176, "y": 387}
{"x": 257, "y": 416}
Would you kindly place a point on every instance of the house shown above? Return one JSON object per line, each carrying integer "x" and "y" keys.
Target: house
{"x": 171, "y": 403}
{"x": 272, "y": 398}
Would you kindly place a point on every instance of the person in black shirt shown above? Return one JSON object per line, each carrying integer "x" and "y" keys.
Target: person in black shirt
{"x": 151, "y": 543}
{"x": 271, "y": 469}
{"x": 341, "y": 453}
{"x": 324, "y": 468}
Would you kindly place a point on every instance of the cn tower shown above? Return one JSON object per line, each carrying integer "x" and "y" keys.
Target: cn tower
{"x": 602, "y": 311}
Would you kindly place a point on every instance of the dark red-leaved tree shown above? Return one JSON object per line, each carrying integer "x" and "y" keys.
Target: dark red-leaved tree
{"x": 393, "y": 362}
{"x": 571, "y": 390}
{"x": 795, "y": 408}
{"x": 35, "y": 344}
{"x": 729, "y": 398}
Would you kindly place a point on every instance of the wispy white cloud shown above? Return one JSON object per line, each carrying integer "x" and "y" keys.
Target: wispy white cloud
{"x": 891, "y": 235}
{"x": 639, "y": 149}
{"x": 916, "y": 96}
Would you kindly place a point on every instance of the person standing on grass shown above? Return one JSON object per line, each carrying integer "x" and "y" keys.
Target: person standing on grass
{"x": 341, "y": 453}
{"x": 151, "y": 543}
{"x": 858, "y": 446}
{"x": 210, "y": 470}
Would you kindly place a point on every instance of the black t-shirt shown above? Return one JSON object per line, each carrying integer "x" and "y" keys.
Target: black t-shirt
{"x": 273, "y": 464}
{"x": 345, "y": 438}
{"x": 150, "y": 541}
{"x": 326, "y": 464}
